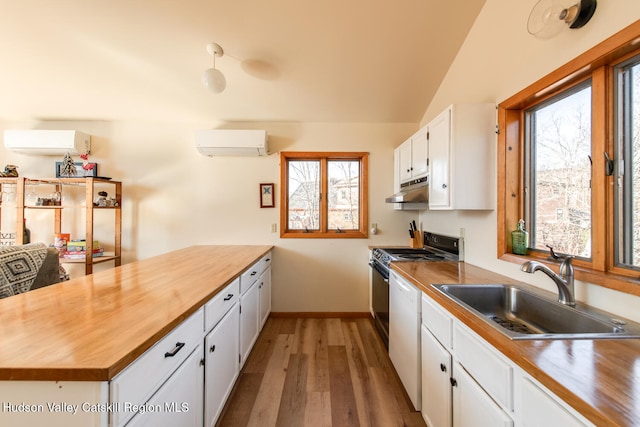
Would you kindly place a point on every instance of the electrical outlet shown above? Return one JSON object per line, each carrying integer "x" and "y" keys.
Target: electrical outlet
{"x": 274, "y": 228}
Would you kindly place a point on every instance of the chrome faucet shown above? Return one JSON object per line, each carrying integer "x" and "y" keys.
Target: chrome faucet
{"x": 563, "y": 280}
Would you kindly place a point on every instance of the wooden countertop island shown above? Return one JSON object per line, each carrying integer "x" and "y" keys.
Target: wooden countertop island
{"x": 598, "y": 378}
{"x": 92, "y": 327}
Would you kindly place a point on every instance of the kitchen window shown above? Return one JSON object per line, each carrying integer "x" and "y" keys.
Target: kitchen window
{"x": 569, "y": 164}
{"x": 324, "y": 194}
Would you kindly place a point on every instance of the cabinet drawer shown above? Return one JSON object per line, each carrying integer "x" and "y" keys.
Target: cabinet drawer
{"x": 216, "y": 308}
{"x": 249, "y": 277}
{"x": 138, "y": 381}
{"x": 265, "y": 262}
{"x": 438, "y": 321}
{"x": 485, "y": 365}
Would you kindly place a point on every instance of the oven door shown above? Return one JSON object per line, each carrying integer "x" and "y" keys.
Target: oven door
{"x": 380, "y": 299}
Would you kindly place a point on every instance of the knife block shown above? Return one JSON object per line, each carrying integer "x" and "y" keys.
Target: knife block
{"x": 416, "y": 241}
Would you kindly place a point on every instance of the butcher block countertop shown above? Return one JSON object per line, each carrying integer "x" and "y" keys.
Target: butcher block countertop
{"x": 92, "y": 327}
{"x": 598, "y": 378}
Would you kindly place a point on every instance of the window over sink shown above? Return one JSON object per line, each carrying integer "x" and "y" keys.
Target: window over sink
{"x": 569, "y": 163}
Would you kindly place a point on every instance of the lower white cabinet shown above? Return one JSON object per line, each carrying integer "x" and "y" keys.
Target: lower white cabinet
{"x": 436, "y": 386}
{"x": 143, "y": 378}
{"x": 249, "y": 322}
{"x": 472, "y": 405}
{"x": 264, "y": 286}
{"x": 221, "y": 364}
{"x": 538, "y": 407}
{"x": 178, "y": 403}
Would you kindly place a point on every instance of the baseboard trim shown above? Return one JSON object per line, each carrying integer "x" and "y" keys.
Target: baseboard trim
{"x": 326, "y": 314}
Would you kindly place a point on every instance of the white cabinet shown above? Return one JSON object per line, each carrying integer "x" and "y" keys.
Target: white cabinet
{"x": 461, "y": 157}
{"x": 538, "y": 407}
{"x": 472, "y": 405}
{"x": 135, "y": 385}
{"x": 178, "y": 403}
{"x": 249, "y": 327}
{"x": 221, "y": 364}
{"x": 413, "y": 157}
{"x": 264, "y": 286}
{"x": 436, "y": 387}
{"x": 404, "y": 335}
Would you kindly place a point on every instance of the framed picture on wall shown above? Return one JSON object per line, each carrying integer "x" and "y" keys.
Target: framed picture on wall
{"x": 267, "y": 199}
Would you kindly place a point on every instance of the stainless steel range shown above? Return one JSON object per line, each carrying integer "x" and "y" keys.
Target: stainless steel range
{"x": 436, "y": 248}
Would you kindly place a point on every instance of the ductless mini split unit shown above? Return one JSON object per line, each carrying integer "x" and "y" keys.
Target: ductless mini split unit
{"x": 47, "y": 142}
{"x": 232, "y": 142}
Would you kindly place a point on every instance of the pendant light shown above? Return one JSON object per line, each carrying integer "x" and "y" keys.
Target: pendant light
{"x": 549, "y": 17}
{"x": 212, "y": 78}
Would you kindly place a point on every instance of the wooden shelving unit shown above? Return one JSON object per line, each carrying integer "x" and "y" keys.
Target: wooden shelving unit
{"x": 92, "y": 186}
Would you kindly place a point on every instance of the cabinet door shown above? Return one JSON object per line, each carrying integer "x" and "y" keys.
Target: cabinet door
{"x": 419, "y": 146}
{"x": 178, "y": 403}
{"x": 249, "y": 312}
{"x": 472, "y": 405}
{"x": 439, "y": 161}
{"x": 405, "y": 161}
{"x": 221, "y": 364}
{"x": 539, "y": 409}
{"x": 264, "y": 284}
{"x": 436, "y": 386}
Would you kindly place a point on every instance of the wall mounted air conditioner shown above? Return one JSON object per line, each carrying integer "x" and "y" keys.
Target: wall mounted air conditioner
{"x": 232, "y": 142}
{"x": 52, "y": 142}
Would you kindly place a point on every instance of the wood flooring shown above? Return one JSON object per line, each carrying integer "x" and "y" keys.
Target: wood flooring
{"x": 319, "y": 372}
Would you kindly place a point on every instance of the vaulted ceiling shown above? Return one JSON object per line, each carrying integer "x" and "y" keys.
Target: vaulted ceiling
{"x": 285, "y": 60}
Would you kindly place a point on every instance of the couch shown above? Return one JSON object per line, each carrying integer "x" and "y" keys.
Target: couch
{"x": 27, "y": 267}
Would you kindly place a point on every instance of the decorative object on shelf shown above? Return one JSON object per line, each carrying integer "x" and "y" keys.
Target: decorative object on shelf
{"x": 60, "y": 242}
{"x": 80, "y": 171}
{"x": 88, "y": 166}
{"x": 266, "y": 196}
{"x": 10, "y": 171}
{"x": 103, "y": 200}
{"x": 212, "y": 78}
{"x": 549, "y": 17}
{"x": 67, "y": 167}
{"x": 520, "y": 239}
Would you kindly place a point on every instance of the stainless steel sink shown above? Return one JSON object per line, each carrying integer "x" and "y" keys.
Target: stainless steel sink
{"x": 522, "y": 314}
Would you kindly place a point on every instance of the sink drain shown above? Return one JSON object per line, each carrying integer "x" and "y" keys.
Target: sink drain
{"x": 512, "y": 325}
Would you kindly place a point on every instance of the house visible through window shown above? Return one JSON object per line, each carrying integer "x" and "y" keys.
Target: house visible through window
{"x": 324, "y": 194}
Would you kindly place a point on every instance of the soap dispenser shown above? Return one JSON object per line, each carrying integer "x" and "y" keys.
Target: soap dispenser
{"x": 519, "y": 239}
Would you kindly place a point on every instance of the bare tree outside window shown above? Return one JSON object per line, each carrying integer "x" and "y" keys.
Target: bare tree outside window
{"x": 560, "y": 174}
{"x": 304, "y": 194}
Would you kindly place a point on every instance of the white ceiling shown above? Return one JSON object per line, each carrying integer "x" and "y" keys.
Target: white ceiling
{"x": 285, "y": 60}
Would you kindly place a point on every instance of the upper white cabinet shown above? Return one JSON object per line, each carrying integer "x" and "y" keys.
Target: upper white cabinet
{"x": 461, "y": 158}
{"x": 413, "y": 157}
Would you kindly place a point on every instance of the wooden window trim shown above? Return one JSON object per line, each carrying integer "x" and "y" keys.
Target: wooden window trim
{"x": 597, "y": 63}
{"x": 324, "y": 156}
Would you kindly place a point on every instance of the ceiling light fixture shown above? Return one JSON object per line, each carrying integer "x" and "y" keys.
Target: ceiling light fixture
{"x": 549, "y": 17}
{"x": 212, "y": 78}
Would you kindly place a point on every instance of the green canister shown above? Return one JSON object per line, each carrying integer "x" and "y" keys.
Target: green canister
{"x": 520, "y": 239}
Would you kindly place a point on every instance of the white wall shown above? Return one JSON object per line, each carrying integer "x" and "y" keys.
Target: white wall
{"x": 173, "y": 197}
{"x": 498, "y": 59}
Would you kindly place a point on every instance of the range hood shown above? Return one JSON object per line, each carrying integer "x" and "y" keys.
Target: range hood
{"x": 412, "y": 192}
